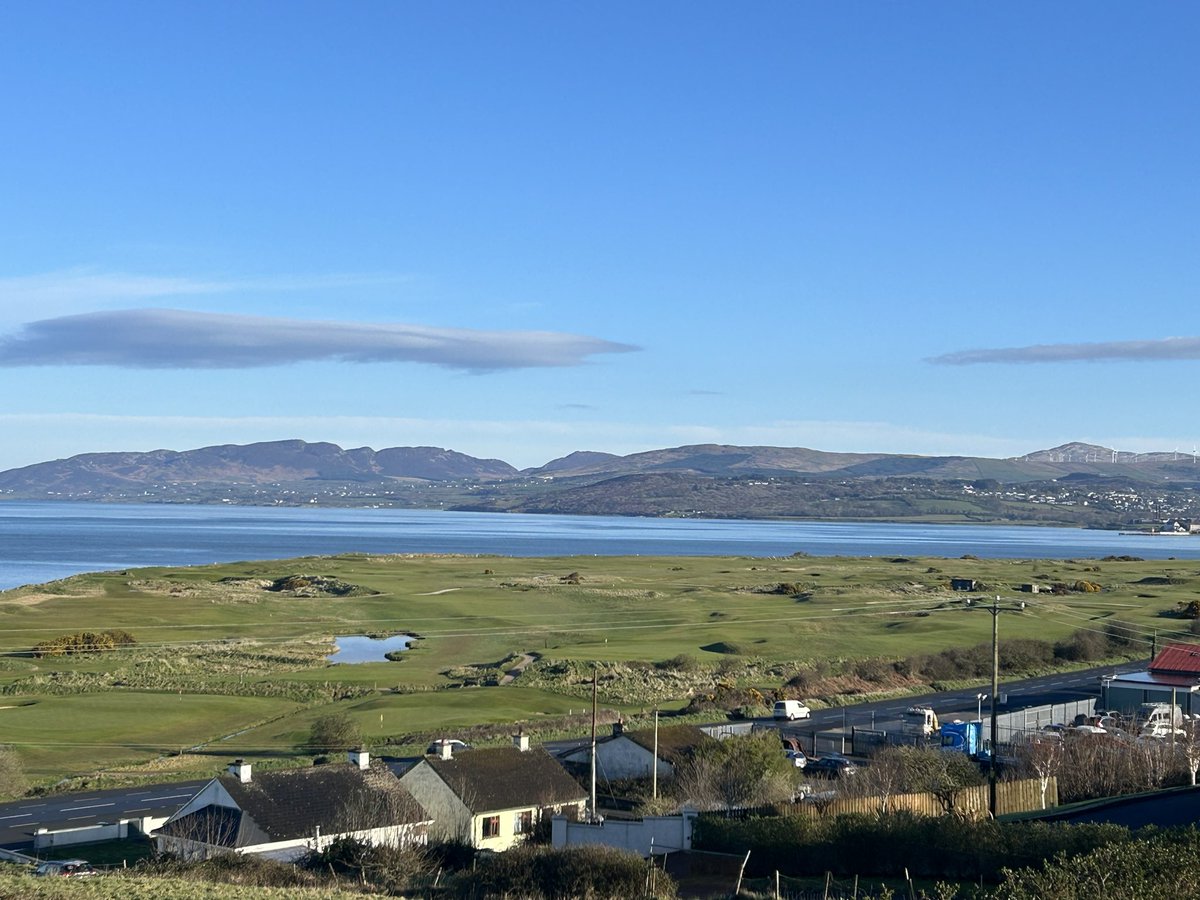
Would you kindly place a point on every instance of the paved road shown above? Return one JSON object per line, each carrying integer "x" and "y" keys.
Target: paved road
{"x": 19, "y": 820}
{"x": 1022, "y": 694}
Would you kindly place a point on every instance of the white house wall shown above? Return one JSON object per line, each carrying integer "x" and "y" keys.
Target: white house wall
{"x": 451, "y": 818}
{"x": 651, "y": 835}
{"x": 621, "y": 758}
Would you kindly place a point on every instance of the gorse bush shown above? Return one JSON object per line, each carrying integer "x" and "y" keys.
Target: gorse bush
{"x": 84, "y": 642}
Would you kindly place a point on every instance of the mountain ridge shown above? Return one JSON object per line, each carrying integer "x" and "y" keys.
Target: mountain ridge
{"x": 269, "y": 462}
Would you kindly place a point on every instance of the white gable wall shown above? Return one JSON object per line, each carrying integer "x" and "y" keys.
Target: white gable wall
{"x": 619, "y": 757}
{"x": 451, "y": 818}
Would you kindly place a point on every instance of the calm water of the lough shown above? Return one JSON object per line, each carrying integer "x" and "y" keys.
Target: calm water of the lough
{"x": 41, "y": 541}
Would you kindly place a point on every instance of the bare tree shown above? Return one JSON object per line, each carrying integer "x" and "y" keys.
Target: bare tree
{"x": 1043, "y": 759}
{"x": 1187, "y": 746}
{"x": 1156, "y": 759}
{"x": 883, "y": 779}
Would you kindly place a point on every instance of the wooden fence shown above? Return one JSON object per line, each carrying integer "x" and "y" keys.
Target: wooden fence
{"x": 1011, "y": 797}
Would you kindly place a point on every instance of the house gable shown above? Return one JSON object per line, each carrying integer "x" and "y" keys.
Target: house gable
{"x": 293, "y": 810}
{"x": 491, "y": 798}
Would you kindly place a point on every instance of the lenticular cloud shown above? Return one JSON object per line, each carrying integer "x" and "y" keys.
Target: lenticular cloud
{"x": 178, "y": 339}
{"x": 1164, "y": 349}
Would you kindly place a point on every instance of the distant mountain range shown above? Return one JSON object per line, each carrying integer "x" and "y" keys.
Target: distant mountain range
{"x": 705, "y": 479}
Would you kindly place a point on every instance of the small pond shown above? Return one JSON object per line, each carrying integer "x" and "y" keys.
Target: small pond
{"x": 362, "y": 648}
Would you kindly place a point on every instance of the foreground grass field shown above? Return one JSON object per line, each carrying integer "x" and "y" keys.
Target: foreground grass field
{"x": 227, "y": 663}
{"x": 129, "y": 887}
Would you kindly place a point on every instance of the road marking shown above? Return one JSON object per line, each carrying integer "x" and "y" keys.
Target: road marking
{"x": 77, "y": 818}
{"x": 93, "y": 806}
{"x": 172, "y": 797}
{"x": 17, "y": 816}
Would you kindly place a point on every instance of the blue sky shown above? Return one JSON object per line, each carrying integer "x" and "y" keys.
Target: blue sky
{"x": 521, "y": 229}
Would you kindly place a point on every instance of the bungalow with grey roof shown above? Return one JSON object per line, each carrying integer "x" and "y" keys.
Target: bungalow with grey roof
{"x": 286, "y": 814}
{"x": 492, "y": 798}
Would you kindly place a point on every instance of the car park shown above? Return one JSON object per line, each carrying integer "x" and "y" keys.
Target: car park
{"x": 796, "y": 758}
{"x": 832, "y": 766}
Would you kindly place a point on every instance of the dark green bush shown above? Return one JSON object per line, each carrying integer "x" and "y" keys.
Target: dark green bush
{"x": 928, "y": 847}
{"x": 594, "y": 873}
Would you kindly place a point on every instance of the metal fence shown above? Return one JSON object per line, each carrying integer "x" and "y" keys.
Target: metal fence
{"x": 1010, "y": 727}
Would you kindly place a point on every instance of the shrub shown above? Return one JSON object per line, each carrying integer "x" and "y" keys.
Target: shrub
{"x": 1082, "y": 646}
{"x": 925, "y": 846}
{"x": 874, "y": 670}
{"x": 1021, "y": 654}
{"x": 12, "y": 775}
{"x": 680, "y": 663}
{"x": 539, "y": 872}
{"x": 386, "y": 867}
{"x": 335, "y": 731}
{"x": 84, "y": 642}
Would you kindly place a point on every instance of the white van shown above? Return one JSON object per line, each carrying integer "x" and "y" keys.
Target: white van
{"x": 791, "y": 710}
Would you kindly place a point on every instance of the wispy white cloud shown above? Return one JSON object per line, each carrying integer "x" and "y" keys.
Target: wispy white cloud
{"x": 180, "y": 339}
{"x": 1136, "y": 351}
{"x": 85, "y": 285}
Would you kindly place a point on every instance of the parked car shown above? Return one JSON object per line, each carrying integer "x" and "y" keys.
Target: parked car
{"x": 791, "y": 710}
{"x": 1050, "y": 733}
{"x": 832, "y": 766}
{"x": 455, "y": 745}
{"x": 796, "y": 758}
{"x": 65, "y": 868}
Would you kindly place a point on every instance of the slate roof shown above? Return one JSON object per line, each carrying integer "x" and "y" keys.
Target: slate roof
{"x": 674, "y": 741}
{"x": 507, "y": 778}
{"x": 1177, "y": 659}
{"x": 293, "y": 803}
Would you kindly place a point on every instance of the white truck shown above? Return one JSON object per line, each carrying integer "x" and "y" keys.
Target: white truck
{"x": 1159, "y": 719}
{"x": 919, "y": 721}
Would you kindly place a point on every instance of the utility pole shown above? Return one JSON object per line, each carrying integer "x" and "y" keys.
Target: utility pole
{"x": 995, "y": 609}
{"x": 654, "y": 761}
{"x": 592, "y": 812}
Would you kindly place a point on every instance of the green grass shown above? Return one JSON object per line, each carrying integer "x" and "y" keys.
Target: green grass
{"x": 59, "y": 734}
{"x": 216, "y": 657}
{"x": 134, "y": 887}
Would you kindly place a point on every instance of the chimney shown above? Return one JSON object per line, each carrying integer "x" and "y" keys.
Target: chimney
{"x": 445, "y": 750}
{"x": 361, "y": 759}
{"x": 240, "y": 769}
{"x": 521, "y": 740}
{"x": 618, "y": 728}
